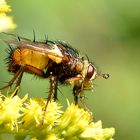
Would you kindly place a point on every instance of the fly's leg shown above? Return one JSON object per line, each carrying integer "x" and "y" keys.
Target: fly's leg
{"x": 82, "y": 99}
{"x": 75, "y": 95}
{"x": 76, "y": 99}
{"x": 18, "y": 84}
{"x": 55, "y": 83}
{"x": 13, "y": 79}
{"x": 76, "y": 91}
{"x": 49, "y": 96}
{"x": 50, "y": 91}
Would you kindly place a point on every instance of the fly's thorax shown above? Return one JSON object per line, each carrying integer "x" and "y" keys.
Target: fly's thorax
{"x": 26, "y": 56}
{"x": 79, "y": 66}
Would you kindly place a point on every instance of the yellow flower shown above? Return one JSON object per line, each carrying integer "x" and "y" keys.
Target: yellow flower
{"x": 51, "y": 136}
{"x": 10, "y": 112}
{"x": 6, "y": 22}
{"x": 22, "y": 118}
{"x": 4, "y": 7}
{"x": 37, "y": 122}
{"x": 74, "y": 121}
{"x": 96, "y": 132}
{"x": 34, "y": 113}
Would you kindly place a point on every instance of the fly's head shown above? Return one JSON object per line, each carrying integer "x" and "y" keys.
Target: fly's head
{"x": 90, "y": 73}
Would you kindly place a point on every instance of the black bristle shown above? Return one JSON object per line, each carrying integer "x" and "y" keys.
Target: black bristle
{"x": 9, "y": 51}
{"x": 87, "y": 58}
{"x": 34, "y": 38}
{"x": 18, "y": 38}
{"x": 46, "y": 39}
{"x": 70, "y": 50}
{"x": 49, "y": 42}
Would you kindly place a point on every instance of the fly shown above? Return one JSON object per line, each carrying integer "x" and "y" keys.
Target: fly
{"x": 55, "y": 60}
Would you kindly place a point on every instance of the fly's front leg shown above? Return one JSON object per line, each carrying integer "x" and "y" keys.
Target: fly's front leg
{"x": 76, "y": 91}
{"x": 75, "y": 94}
{"x": 79, "y": 93}
{"x": 77, "y": 80}
{"x": 82, "y": 99}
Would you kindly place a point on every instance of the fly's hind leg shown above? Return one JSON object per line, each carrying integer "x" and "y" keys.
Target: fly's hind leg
{"x": 18, "y": 84}
{"x": 21, "y": 69}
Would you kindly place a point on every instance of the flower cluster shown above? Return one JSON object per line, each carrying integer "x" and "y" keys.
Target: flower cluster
{"x": 6, "y": 22}
{"x": 24, "y": 117}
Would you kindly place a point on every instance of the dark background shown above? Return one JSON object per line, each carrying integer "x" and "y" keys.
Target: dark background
{"x": 109, "y": 33}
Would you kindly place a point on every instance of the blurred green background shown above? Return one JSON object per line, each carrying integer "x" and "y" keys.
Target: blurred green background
{"x": 109, "y": 33}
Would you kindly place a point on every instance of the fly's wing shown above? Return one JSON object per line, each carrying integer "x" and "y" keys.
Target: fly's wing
{"x": 51, "y": 50}
{"x": 16, "y": 36}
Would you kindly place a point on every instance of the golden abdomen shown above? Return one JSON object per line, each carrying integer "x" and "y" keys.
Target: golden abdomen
{"x": 25, "y": 56}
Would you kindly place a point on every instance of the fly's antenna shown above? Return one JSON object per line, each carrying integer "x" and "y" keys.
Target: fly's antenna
{"x": 104, "y": 75}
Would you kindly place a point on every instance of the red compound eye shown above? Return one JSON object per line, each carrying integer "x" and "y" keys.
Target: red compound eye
{"x": 90, "y": 71}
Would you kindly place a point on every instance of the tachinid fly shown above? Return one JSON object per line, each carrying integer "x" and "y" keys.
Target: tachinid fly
{"x": 55, "y": 60}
